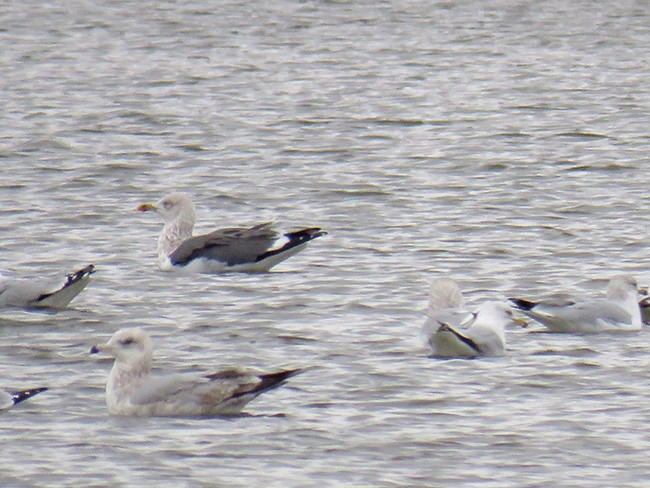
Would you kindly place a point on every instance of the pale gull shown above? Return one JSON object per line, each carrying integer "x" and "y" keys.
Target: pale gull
{"x": 253, "y": 249}
{"x": 132, "y": 391}
{"x": 446, "y": 305}
{"x": 619, "y": 311}
{"x": 9, "y": 398}
{"x": 43, "y": 293}
{"x": 483, "y": 333}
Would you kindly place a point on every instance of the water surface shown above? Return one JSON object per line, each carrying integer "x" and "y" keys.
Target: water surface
{"x": 502, "y": 143}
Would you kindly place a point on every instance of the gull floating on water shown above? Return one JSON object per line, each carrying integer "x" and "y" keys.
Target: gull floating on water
{"x": 482, "y": 334}
{"x": 39, "y": 293}
{"x": 446, "y": 305}
{"x": 451, "y": 330}
{"x": 619, "y": 311}
{"x": 645, "y": 310}
{"x": 10, "y": 398}
{"x": 234, "y": 249}
{"x": 131, "y": 390}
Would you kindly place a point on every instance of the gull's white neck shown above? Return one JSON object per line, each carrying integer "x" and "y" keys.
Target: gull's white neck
{"x": 123, "y": 379}
{"x": 174, "y": 233}
{"x": 630, "y": 304}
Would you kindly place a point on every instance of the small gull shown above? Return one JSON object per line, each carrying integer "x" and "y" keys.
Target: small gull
{"x": 43, "y": 293}
{"x": 482, "y": 334}
{"x": 12, "y": 397}
{"x": 233, "y": 249}
{"x": 619, "y": 311}
{"x": 132, "y": 391}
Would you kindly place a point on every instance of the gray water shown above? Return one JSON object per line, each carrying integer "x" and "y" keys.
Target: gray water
{"x": 502, "y": 143}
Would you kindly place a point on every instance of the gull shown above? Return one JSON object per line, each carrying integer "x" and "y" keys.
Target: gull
{"x": 482, "y": 334}
{"x": 446, "y": 305}
{"x": 43, "y": 293}
{"x": 132, "y": 391}
{"x": 233, "y": 249}
{"x": 645, "y": 310}
{"x": 12, "y": 397}
{"x": 619, "y": 311}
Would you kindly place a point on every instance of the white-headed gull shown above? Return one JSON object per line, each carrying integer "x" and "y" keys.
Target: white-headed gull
{"x": 618, "y": 311}
{"x": 252, "y": 249}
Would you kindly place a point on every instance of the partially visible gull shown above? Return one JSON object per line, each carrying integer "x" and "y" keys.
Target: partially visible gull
{"x": 132, "y": 391}
{"x": 645, "y": 310}
{"x": 482, "y": 334}
{"x": 12, "y": 397}
{"x": 446, "y": 305}
{"x": 619, "y": 311}
{"x": 254, "y": 249}
{"x": 43, "y": 293}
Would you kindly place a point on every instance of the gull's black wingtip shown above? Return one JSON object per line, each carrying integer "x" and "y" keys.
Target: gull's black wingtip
{"x": 295, "y": 239}
{"x": 273, "y": 380}
{"x": 522, "y": 304}
{"x": 305, "y": 235}
{"x": 280, "y": 375}
{"x": 79, "y": 275}
{"x": 21, "y": 396}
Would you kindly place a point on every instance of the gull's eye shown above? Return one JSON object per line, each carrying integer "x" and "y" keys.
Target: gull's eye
{"x": 127, "y": 342}
{"x": 167, "y": 204}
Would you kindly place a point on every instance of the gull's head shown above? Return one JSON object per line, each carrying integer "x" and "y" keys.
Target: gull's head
{"x": 171, "y": 207}
{"x": 623, "y": 287}
{"x": 127, "y": 345}
{"x": 497, "y": 314}
{"x": 445, "y": 293}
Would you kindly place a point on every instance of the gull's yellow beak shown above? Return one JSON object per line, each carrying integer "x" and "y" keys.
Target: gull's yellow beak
{"x": 145, "y": 207}
{"x": 520, "y": 322}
